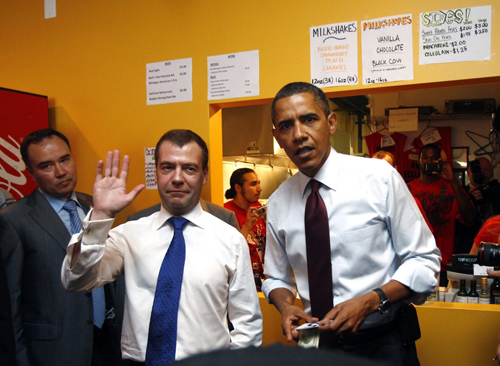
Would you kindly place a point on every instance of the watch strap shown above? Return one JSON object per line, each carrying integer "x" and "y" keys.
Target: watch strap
{"x": 385, "y": 303}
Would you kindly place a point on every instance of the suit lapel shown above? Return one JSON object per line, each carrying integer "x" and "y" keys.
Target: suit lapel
{"x": 45, "y": 216}
{"x": 85, "y": 201}
{"x": 205, "y": 207}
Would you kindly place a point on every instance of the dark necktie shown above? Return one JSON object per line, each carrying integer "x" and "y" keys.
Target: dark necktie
{"x": 98, "y": 297}
{"x": 162, "y": 337}
{"x": 319, "y": 265}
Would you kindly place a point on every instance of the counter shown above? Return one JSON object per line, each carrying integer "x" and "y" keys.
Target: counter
{"x": 452, "y": 334}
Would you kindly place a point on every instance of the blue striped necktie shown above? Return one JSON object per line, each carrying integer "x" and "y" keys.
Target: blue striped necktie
{"x": 162, "y": 337}
{"x": 98, "y": 298}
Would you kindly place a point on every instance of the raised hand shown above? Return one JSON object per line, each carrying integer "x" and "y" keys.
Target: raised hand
{"x": 110, "y": 190}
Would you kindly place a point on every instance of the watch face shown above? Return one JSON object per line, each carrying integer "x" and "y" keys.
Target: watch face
{"x": 384, "y": 306}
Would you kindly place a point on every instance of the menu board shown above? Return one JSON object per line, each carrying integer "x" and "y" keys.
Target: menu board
{"x": 455, "y": 35}
{"x": 169, "y": 81}
{"x": 387, "y": 49}
{"x": 233, "y": 75}
{"x": 334, "y": 54}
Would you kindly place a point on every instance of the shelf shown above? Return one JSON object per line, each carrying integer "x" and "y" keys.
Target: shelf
{"x": 432, "y": 117}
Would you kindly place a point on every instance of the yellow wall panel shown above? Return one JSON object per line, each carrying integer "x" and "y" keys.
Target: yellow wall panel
{"x": 90, "y": 60}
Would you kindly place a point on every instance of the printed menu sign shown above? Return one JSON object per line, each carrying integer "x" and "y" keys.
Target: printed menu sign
{"x": 387, "y": 49}
{"x": 455, "y": 35}
{"x": 169, "y": 81}
{"x": 334, "y": 54}
{"x": 233, "y": 76}
{"x": 404, "y": 119}
{"x": 150, "y": 167}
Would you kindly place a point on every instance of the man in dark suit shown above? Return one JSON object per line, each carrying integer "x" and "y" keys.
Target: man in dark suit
{"x": 51, "y": 326}
{"x": 221, "y": 213}
{"x": 7, "y": 344}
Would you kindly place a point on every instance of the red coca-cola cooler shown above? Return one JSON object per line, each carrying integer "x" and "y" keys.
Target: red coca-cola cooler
{"x": 20, "y": 114}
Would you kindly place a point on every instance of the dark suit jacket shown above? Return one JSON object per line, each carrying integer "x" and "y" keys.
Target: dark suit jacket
{"x": 221, "y": 213}
{"x": 51, "y": 326}
{"x": 7, "y": 344}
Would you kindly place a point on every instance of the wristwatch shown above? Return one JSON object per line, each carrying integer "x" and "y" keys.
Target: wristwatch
{"x": 385, "y": 303}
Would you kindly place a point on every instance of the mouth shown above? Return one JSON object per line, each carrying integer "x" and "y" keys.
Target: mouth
{"x": 177, "y": 193}
{"x": 64, "y": 183}
{"x": 303, "y": 151}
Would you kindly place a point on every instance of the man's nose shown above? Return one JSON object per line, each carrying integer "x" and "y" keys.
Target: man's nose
{"x": 59, "y": 170}
{"x": 299, "y": 131}
{"x": 178, "y": 176}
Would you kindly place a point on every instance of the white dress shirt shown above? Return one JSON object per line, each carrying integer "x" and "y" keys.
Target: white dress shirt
{"x": 217, "y": 281}
{"x": 377, "y": 233}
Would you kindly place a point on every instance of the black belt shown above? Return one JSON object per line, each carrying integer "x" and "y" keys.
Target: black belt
{"x": 366, "y": 335}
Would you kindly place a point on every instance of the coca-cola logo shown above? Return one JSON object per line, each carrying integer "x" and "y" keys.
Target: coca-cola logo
{"x": 12, "y": 167}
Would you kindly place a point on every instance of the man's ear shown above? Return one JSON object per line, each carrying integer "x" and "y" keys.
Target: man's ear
{"x": 332, "y": 121}
{"x": 276, "y": 136}
{"x": 205, "y": 175}
{"x": 30, "y": 171}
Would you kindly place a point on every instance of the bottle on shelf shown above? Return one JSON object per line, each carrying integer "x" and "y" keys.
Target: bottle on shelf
{"x": 484, "y": 291}
{"x": 462, "y": 294}
{"x": 495, "y": 290}
{"x": 473, "y": 296}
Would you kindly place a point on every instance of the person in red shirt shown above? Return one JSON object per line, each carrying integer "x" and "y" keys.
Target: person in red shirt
{"x": 245, "y": 193}
{"x": 444, "y": 201}
{"x": 387, "y": 156}
{"x": 489, "y": 233}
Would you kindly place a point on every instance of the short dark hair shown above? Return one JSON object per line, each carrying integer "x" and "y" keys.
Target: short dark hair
{"x": 298, "y": 88}
{"x": 429, "y": 146}
{"x": 237, "y": 178}
{"x": 181, "y": 138}
{"x": 35, "y": 138}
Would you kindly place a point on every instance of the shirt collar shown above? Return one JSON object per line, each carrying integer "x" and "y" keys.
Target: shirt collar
{"x": 194, "y": 216}
{"x": 57, "y": 203}
{"x": 327, "y": 175}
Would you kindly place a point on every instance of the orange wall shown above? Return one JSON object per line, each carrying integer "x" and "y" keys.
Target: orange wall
{"x": 91, "y": 62}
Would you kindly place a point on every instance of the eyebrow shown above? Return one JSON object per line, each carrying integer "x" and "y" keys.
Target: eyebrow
{"x": 42, "y": 163}
{"x": 185, "y": 165}
{"x": 307, "y": 115}
{"x": 302, "y": 116}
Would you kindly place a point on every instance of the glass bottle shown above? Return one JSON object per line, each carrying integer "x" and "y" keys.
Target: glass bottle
{"x": 484, "y": 291}
{"x": 495, "y": 290}
{"x": 462, "y": 294}
{"x": 473, "y": 296}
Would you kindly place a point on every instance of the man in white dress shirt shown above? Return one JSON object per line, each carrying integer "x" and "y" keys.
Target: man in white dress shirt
{"x": 217, "y": 280}
{"x": 382, "y": 252}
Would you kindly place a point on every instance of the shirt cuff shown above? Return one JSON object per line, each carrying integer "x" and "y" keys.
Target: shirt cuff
{"x": 417, "y": 277}
{"x": 270, "y": 284}
{"x": 92, "y": 237}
